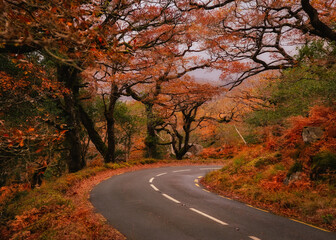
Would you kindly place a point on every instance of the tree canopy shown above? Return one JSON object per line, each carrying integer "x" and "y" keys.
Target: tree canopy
{"x": 58, "y": 56}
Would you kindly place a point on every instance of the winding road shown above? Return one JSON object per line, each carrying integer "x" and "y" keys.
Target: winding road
{"x": 169, "y": 204}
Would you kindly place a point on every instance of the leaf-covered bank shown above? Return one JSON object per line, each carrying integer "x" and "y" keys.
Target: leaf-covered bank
{"x": 284, "y": 174}
{"x": 60, "y": 209}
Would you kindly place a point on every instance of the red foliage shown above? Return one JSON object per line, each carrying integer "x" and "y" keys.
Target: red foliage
{"x": 271, "y": 142}
{"x": 275, "y": 183}
{"x": 301, "y": 184}
{"x": 7, "y": 192}
{"x": 324, "y": 117}
{"x": 226, "y": 151}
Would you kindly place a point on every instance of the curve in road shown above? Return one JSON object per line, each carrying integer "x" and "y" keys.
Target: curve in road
{"x": 168, "y": 203}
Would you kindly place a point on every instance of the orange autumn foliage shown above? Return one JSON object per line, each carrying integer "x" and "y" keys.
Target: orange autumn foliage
{"x": 273, "y": 184}
{"x": 319, "y": 116}
{"x": 225, "y": 151}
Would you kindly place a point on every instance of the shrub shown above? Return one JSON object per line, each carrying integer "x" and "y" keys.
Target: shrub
{"x": 296, "y": 167}
{"x": 322, "y": 163}
{"x": 253, "y": 138}
{"x": 238, "y": 163}
{"x": 328, "y": 219}
{"x": 261, "y": 162}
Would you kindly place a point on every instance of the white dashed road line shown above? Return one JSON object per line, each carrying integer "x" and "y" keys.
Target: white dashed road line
{"x": 208, "y": 216}
{"x": 254, "y": 238}
{"x": 170, "y": 198}
{"x": 193, "y": 209}
{"x": 185, "y": 170}
{"x": 155, "y": 188}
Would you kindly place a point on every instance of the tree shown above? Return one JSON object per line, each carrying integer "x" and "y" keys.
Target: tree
{"x": 168, "y": 63}
{"x": 78, "y": 35}
{"x": 117, "y": 38}
{"x": 28, "y": 107}
{"x": 63, "y": 32}
{"x": 254, "y": 36}
{"x": 147, "y": 28}
{"x": 128, "y": 125}
{"x": 298, "y": 89}
{"x": 183, "y": 100}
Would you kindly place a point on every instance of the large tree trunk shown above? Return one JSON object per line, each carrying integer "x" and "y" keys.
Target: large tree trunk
{"x": 93, "y": 134}
{"x": 110, "y": 121}
{"x": 111, "y": 147}
{"x": 69, "y": 76}
{"x": 181, "y": 142}
{"x": 75, "y": 161}
{"x": 182, "y": 146}
{"x": 151, "y": 140}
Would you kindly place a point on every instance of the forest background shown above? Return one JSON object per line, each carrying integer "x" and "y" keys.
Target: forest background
{"x": 93, "y": 85}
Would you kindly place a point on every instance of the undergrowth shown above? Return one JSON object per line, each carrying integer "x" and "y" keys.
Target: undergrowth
{"x": 60, "y": 209}
{"x": 286, "y": 175}
{"x": 48, "y": 212}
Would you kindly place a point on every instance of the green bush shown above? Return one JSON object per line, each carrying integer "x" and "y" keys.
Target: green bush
{"x": 296, "y": 167}
{"x": 253, "y": 138}
{"x": 322, "y": 163}
{"x": 328, "y": 219}
{"x": 148, "y": 161}
{"x": 262, "y": 162}
{"x": 299, "y": 88}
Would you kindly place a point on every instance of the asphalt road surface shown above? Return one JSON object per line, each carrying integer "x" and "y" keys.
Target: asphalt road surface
{"x": 169, "y": 204}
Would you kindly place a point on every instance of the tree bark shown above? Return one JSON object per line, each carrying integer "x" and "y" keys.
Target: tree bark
{"x": 93, "y": 134}
{"x": 110, "y": 121}
{"x": 320, "y": 28}
{"x": 69, "y": 76}
{"x": 151, "y": 140}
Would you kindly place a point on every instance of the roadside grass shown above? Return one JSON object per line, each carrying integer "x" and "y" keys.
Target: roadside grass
{"x": 257, "y": 178}
{"x": 60, "y": 207}
{"x": 49, "y": 212}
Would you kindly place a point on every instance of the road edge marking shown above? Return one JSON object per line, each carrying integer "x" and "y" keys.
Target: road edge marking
{"x": 307, "y": 224}
{"x": 257, "y": 208}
